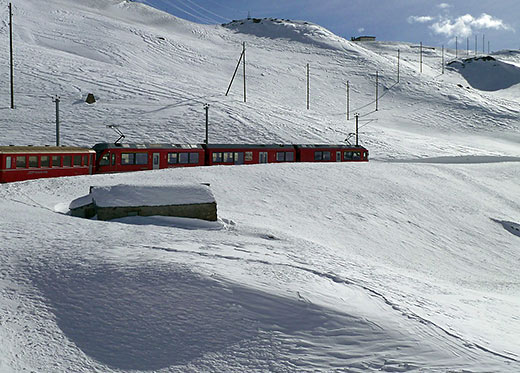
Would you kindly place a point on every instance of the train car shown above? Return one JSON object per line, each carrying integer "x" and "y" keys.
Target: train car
{"x": 230, "y": 154}
{"x": 331, "y": 153}
{"x": 138, "y": 157}
{"x": 19, "y": 163}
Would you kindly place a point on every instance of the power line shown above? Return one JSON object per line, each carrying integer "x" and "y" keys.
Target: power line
{"x": 209, "y": 11}
{"x": 198, "y": 18}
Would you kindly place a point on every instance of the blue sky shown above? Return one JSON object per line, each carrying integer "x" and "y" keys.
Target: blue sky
{"x": 434, "y": 23}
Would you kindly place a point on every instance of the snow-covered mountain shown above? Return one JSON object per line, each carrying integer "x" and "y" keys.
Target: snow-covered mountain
{"x": 407, "y": 263}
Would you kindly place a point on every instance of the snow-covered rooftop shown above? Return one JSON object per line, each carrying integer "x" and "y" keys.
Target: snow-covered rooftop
{"x": 139, "y": 195}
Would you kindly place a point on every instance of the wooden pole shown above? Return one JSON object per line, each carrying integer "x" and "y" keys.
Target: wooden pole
{"x": 308, "y": 86}
{"x": 348, "y": 101}
{"x": 443, "y": 59}
{"x": 57, "y": 101}
{"x": 377, "y": 88}
{"x": 398, "y": 59}
{"x": 244, "y": 62}
{"x": 421, "y": 57}
{"x": 11, "y": 53}
{"x": 357, "y": 135}
{"x": 206, "y": 107}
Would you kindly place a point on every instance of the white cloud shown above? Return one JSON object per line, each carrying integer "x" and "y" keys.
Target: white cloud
{"x": 466, "y": 24}
{"x": 444, "y": 5}
{"x": 420, "y": 19}
{"x": 361, "y": 29}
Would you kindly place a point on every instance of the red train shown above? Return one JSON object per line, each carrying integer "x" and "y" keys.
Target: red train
{"x": 30, "y": 162}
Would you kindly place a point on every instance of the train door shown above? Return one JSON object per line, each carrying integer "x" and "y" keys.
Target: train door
{"x": 91, "y": 164}
{"x": 239, "y": 157}
{"x": 338, "y": 156}
{"x": 156, "y": 160}
{"x": 262, "y": 157}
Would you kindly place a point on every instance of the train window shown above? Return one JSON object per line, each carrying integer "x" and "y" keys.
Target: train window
{"x": 113, "y": 159}
{"x": 127, "y": 158}
{"x": 227, "y": 157}
{"x": 8, "y": 163}
{"x": 347, "y": 156}
{"x": 85, "y": 160}
{"x": 280, "y": 156}
{"x": 249, "y": 156}
{"x": 318, "y": 156}
{"x": 21, "y": 162}
{"x": 172, "y": 158}
{"x": 45, "y": 161}
{"x": 105, "y": 160}
{"x": 217, "y": 157}
{"x": 56, "y": 161}
{"x": 356, "y": 155}
{"x": 289, "y": 156}
{"x": 33, "y": 161}
{"x": 326, "y": 156}
{"x": 67, "y": 161}
{"x": 194, "y": 157}
{"x": 184, "y": 157}
{"x": 141, "y": 158}
{"x": 77, "y": 160}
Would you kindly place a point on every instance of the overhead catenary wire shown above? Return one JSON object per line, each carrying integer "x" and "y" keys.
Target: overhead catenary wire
{"x": 200, "y": 18}
{"x": 208, "y": 11}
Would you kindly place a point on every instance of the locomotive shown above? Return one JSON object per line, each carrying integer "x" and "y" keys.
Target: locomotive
{"x": 19, "y": 163}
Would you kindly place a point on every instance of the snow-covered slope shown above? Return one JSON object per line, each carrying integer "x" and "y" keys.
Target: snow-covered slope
{"x": 407, "y": 263}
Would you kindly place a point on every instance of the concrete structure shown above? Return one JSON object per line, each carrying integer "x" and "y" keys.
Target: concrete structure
{"x": 186, "y": 201}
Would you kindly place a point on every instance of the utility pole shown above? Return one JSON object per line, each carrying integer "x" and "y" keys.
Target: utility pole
{"x": 483, "y": 44}
{"x": 443, "y": 59}
{"x": 11, "y": 53}
{"x": 398, "y": 58}
{"x": 244, "y": 61}
{"x": 348, "y": 101}
{"x": 475, "y": 45}
{"x": 456, "y": 47}
{"x": 57, "y": 101}
{"x": 377, "y": 88}
{"x": 357, "y": 135}
{"x": 308, "y": 86}
{"x": 206, "y": 107}
{"x": 421, "y": 57}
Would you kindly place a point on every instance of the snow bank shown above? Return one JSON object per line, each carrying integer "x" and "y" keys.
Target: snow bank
{"x": 487, "y": 73}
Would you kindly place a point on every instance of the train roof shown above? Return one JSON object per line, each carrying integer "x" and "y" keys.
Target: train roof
{"x": 43, "y": 149}
{"x": 334, "y": 146}
{"x": 249, "y": 146}
{"x": 103, "y": 146}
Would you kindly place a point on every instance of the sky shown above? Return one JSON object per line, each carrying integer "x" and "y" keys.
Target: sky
{"x": 449, "y": 23}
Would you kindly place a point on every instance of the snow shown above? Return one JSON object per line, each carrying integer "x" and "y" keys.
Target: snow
{"x": 137, "y": 195}
{"x": 487, "y": 74}
{"x": 406, "y": 263}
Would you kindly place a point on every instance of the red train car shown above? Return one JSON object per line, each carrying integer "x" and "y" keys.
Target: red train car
{"x": 19, "y": 163}
{"x": 138, "y": 157}
{"x": 331, "y": 153}
{"x": 229, "y": 154}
